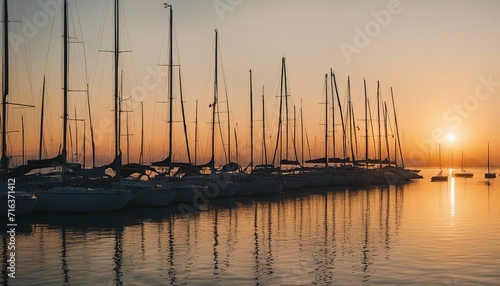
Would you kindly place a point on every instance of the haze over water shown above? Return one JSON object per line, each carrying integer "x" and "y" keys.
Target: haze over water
{"x": 421, "y": 233}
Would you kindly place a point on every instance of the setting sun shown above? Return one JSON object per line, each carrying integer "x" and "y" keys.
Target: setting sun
{"x": 451, "y": 137}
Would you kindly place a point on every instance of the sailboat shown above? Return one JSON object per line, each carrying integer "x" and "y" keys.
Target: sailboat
{"x": 316, "y": 177}
{"x": 439, "y": 177}
{"x": 72, "y": 196}
{"x": 255, "y": 183}
{"x": 147, "y": 192}
{"x": 489, "y": 175}
{"x": 219, "y": 183}
{"x": 24, "y": 202}
{"x": 463, "y": 173}
{"x": 291, "y": 179}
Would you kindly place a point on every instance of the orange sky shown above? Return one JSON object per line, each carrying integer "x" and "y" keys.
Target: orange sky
{"x": 440, "y": 58}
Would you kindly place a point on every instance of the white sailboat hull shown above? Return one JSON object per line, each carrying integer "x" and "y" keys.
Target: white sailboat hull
{"x": 147, "y": 194}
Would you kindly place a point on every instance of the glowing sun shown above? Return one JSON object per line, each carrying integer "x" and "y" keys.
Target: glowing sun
{"x": 451, "y": 137}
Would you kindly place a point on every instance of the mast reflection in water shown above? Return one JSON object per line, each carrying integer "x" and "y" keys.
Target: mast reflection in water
{"x": 343, "y": 236}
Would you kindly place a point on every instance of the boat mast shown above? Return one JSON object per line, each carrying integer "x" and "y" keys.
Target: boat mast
{"x": 22, "y": 134}
{"x": 170, "y": 90}
{"x": 91, "y": 129}
{"x": 279, "y": 139}
{"x": 116, "y": 73}
{"x": 397, "y": 130}
{"x": 301, "y": 134}
{"x": 344, "y": 139}
{"x": 141, "y": 156}
{"x": 366, "y": 124}
{"x": 386, "y": 114}
{"x": 236, "y": 143}
{"x": 40, "y": 143}
{"x": 333, "y": 116}
{"x": 216, "y": 90}
{"x": 326, "y": 122}
{"x": 264, "y": 153}
{"x": 350, "y": 116}
{"x": 65, "y": 85}
{"x": 488, "y": 157}
{"x": 251, "y": 121}
{"x": 184, "y": 118}
{"x": 379, "y": 128}
{"x": 5, "y": 159}
{"x": 286, "y": 108}
{"x": 196, "y": 134}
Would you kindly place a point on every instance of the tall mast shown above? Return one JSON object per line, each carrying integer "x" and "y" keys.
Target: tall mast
{"x": 5, "y": 159}
{"x": 251, "y": 121}
{"x": 65, "y": 82}
{"x": 350, "y": 117}
{"x": 488, "y": 157}
{"x": 170, "y": 89}
{"x": 279, "y": 139}
{"x": 264, "y": 152}
{"x": 333, "y": 116}
{"x": 91, "y": 129}
{"x": 84, "y": 146}
{"x": 76, "y": 138}
{"x": 22, "y": 134}
{"x": 116, "y": 62}
{"x": 326, "y": 122}
{"x": 141, "y": 156}
{"x": 216, "y": 91}
{"x": 286, "y": 108}
{"x": 196, "y": 134}
{"x": 301, "y": 134}
{"x": 344, "y": 139}
{"x": 184, "y": 118}
{"x": 236, "y": 143}
{"x": 378, "y": 123}
{"x": 397, "y": 130}
{"x": 386, "y": 133}
{"x": 366, "y": 125}
{"x": 40, "y": 143}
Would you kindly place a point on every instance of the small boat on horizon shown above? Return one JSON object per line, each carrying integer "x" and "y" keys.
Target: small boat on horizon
{"x": 489, "y": 175}
{"x": 439, "y": 177}
{"x": 463, "y": 173}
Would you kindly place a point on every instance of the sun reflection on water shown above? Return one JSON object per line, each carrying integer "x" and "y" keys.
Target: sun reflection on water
{"x": 452, "y": 196}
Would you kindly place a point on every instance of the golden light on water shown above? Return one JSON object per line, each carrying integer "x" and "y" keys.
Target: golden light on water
{"x": 452, "y": 196}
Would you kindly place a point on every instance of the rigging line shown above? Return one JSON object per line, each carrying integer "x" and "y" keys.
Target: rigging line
{"x": 98, "y": 76}
{"x": 227, "y": 105}
{"x": 50, "y": 37}
{"x": 83, "y": 41}
{"x": 24, "y": 53}
{"x": 220, "y": 131}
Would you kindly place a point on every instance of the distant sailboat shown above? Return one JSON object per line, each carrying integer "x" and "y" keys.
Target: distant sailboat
{"x": 489, "y": 175}
{"x": 463, "y": 173}
{"x": 439, "y": 177}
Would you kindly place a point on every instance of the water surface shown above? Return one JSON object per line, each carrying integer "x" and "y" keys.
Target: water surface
{"x": 441, "y": 233}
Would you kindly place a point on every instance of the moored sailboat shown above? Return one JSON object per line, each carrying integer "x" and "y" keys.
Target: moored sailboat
{"x": 75, "y": 196}
{"x": 439, "y": 177}
{"x": 489, "y": 174}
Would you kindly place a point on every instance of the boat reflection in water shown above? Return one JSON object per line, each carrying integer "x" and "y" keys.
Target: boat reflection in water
{"x": 331, "y": 235}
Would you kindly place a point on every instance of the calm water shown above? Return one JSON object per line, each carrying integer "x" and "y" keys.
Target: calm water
{"x": 445, "y": 233}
